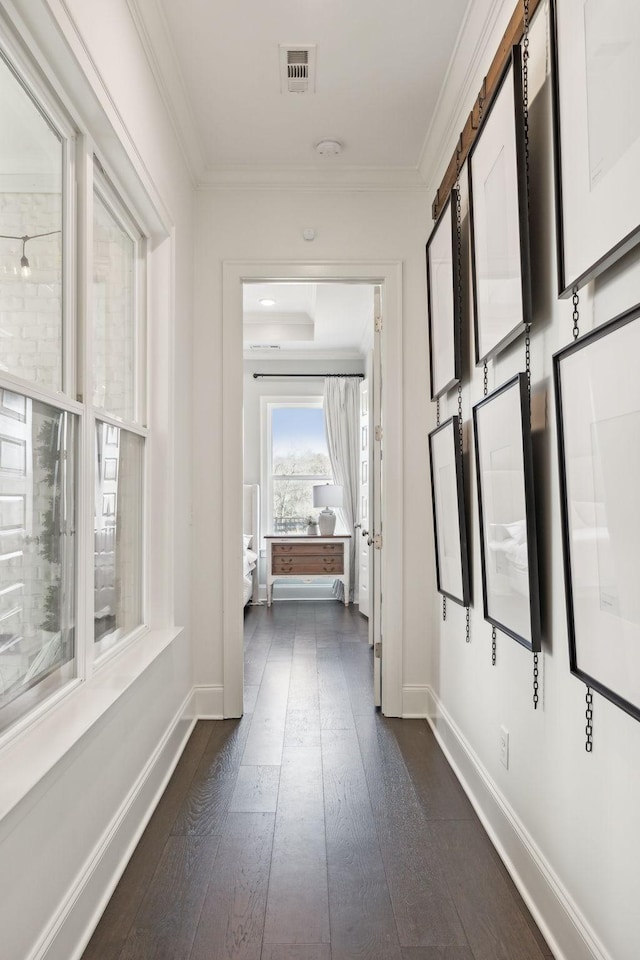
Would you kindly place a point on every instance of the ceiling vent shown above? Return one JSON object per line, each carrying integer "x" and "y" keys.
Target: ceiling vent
{"x": 297, "y": 68}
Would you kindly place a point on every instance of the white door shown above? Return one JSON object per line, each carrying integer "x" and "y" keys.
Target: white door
{"x": 375, "y": 500}
{"x": 362, "y": 546}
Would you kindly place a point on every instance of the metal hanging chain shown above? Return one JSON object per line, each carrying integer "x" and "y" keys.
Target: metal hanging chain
{"x": 485, "y": 385}
{"x": 576, "y": 314}
{"x": 493, "y": 647}
{"x": 589, "y": 716}
{"x": 444, "y": 608}
{"x": 438, "y": 412}
{"x": 536, "y": 685}
{"x": 467, "y": 627}
{"x": 525, "y": 87}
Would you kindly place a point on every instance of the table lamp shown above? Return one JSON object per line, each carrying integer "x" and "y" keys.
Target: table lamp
{"x": 328, "y": 495}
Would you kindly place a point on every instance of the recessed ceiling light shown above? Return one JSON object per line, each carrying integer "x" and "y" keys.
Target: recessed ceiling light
{"x": 329, "y": 148}
{"x": 267, "y": 302}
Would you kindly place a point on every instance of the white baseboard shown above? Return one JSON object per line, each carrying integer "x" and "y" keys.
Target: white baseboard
{"x": 72, "y": 926}
{"x": 564, "y": 927}
{"x": 415, "y": 701}
{"x": 209, "y": 702}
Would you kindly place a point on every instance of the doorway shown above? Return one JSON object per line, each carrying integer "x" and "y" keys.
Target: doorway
{"x": 388, "y": 277}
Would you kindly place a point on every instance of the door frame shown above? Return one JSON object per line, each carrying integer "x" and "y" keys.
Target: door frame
{"x": 389, "y": 275}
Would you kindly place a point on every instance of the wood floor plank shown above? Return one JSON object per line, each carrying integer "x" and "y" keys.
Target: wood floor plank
{"x": 423, "y": 907}
{"x": 165, "y": 926}
{"x": 362, "y": 922}
{"x": 298, "y": 903}
{"x": 296, "y": 951}
{"x": 437, "y": 953}
{"x": 256, "y": 790}
{"x": 298, "y": 907}
{"x": 232, "y": 918}
{"x": 205, "y": 808}
{"x": 494, "y": 924}
{"x": 436, "y": 785}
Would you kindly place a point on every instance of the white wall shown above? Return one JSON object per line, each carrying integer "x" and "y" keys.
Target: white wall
{"x": 265, "y": 225}
{"x": 567, "y": 821}
{"x": 65, "y": 843}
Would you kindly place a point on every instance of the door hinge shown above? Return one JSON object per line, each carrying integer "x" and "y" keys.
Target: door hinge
{"x": 377, "y": 541}
{"x": 378, "y": 434}
{"x": 378, "y": 325}
{"x": 377, "y": 650}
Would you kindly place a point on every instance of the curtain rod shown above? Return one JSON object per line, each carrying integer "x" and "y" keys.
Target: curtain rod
{"x": 306, "y": 376}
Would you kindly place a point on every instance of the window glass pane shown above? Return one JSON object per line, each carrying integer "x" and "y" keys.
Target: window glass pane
{"x": 113, "y": 314}
{"x": 37, "y": 552}
{"x": 299, "y": 444}
{"x": 118, "y": 532}
{"x": 299, "y": 461}
{"x": 31, "y": 242}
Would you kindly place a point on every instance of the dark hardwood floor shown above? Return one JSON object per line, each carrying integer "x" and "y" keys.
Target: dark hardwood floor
{"x": 314, "y": 828}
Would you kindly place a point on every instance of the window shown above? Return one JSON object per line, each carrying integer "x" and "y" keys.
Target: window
{"x": 297, "y": 460}
{"x": 118, "y": 279}
{"x": 50, "y": 390}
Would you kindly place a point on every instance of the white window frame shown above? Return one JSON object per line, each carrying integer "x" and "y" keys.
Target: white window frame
{"x": 103, "y": 650}
{"x": 82, "y": 172}
{"x": 267, "y": 405}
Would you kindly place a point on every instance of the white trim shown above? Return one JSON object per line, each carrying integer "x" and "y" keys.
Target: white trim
{"x": 234, "y": 273}
{"x": 71, "y": 927}
{"x": 209, "y": 702}
{"x": 415, "y": 701}
{"x": 563, "y": 925}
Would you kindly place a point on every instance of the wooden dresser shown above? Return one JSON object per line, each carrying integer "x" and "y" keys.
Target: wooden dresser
{"x": 302, "y": 556}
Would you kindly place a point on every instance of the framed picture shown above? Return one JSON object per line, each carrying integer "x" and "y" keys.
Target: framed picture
{"x": 449, "y": 521}
{"x": 504, "y": 469}
{"x": 443, "y": 303}
{"x": 499, "y": 219}
{"x": 597, "y": 135}
{"x": 598, "y": 415}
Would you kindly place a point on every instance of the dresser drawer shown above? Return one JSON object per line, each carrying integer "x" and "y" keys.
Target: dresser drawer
{"x": 306, "y": 565}
{"x": 306, "y": 550}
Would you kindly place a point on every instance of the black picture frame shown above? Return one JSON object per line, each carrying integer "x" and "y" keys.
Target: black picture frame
{"x": 444, "y": 320}
{"x": 488, "y": 344}
{"x": 574, "y": 167}
{"x": 599, "y": 473}
{"x": 449, "y": 515}
{"x": 510, "y": 587}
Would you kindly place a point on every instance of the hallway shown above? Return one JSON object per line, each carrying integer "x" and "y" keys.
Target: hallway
{"x": 314, "y": 828}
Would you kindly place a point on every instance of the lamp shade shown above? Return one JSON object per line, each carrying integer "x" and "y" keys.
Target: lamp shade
{"x": 327, "y": 495}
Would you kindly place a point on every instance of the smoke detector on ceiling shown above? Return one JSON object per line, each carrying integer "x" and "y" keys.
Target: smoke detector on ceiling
{"x": 329, "y": 148}
{"x": 297, "y": 68}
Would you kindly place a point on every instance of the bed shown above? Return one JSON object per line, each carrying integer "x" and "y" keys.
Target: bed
{"x": 250, "y": 542}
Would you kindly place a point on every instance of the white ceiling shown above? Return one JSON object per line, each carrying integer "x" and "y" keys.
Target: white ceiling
{"x": 380, "y": 68}
{"x": 341, "y": 314}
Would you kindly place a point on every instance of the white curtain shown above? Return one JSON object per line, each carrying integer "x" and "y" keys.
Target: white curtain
{"x": 342, "y": 419}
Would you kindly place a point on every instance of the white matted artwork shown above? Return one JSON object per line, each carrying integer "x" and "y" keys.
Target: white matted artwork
{"x": 598, "y": 411}
{"x": 449, "y": 520}
{"x": 499, "y": 223}
{"x": 597, "y": 128}
{"x": 504, "y": 469}
{"x": 443, "y": 302}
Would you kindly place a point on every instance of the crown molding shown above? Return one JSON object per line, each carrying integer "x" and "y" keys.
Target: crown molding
{"x": 481, "y": 30}
{"x": 153, "y": 30}
{"x": 249, "y": 177}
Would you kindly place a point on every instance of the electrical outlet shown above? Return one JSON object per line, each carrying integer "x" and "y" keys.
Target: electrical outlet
{"x": 504, "y": 747}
